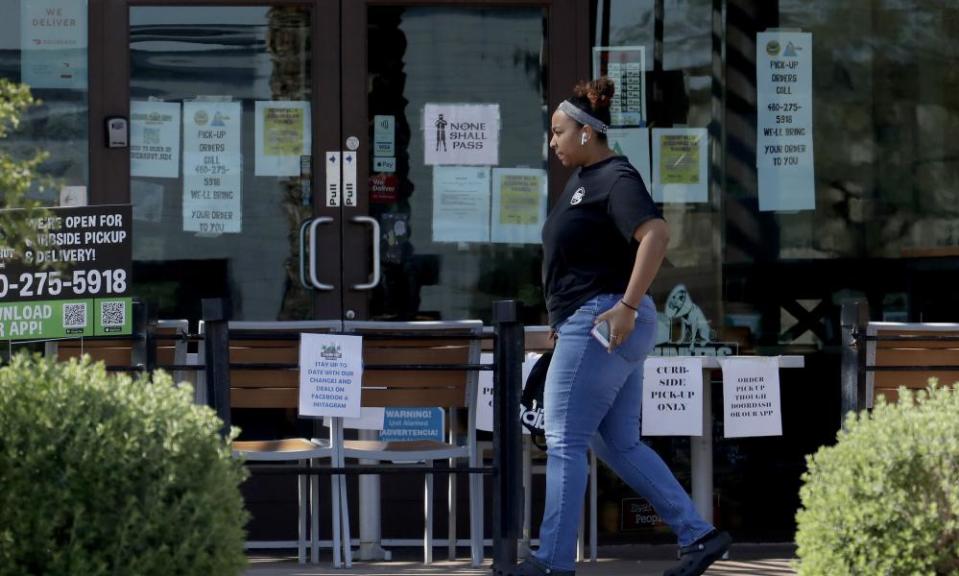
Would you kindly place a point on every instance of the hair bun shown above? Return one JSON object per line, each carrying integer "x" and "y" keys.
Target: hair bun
{"x": 600, "y": 92}
{"x": 594, "y": 97}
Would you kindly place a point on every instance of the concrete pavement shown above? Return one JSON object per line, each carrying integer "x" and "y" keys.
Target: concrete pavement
{"x": 764, "y": 562}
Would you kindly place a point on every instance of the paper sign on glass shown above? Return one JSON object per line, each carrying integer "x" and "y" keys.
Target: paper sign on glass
{"x": 461, "y": 201}
{"x": 519, "y": 205}
{"x": 384, "y": 135}
{"x": 461, "y": 134}
{"x": 785, "y": 161}
{"x": 751, "y": 401}
{"x": 673, "y": 397}
{"x": 53, "y": 43}
{"x": 282, "y": 137}
{"x": 212, "y": 167}
{"x": 680, "y": 157}
{"x": 633, "y": 143}
{"x": 155, "y": 139}
{"x": 331, "y": 375}
{"x": 626, "y": 67}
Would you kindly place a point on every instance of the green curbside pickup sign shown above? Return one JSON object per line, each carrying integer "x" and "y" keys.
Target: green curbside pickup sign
{"x": 87, "y": 294}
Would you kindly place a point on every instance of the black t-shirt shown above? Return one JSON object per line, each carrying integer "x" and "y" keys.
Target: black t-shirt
{"x": 588, "y": 237}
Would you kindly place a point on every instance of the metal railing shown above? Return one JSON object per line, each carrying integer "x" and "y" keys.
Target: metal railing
{"x": 508, "y": 351}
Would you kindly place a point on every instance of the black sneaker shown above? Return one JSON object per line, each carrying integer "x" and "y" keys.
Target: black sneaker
{"x": 533, "y": 567}
{"x": 698, "y": 556}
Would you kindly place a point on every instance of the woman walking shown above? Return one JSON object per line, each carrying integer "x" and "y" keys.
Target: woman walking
{"x": 604, "y": 242}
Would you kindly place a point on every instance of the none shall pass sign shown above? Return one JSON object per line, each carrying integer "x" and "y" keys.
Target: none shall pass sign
{"x": 673, "y": 397}
{"x": 331, "y": 375}
{"x": 751, "y": 402}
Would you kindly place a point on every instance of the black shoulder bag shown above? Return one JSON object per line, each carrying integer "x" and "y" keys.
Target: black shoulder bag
{"x": 531, "y": 405}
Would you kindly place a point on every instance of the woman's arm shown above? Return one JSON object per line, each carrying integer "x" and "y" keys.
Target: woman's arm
{"x": 653, "y": 237}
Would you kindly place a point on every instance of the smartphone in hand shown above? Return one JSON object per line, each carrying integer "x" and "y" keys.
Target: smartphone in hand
{"x": 601, "y": 333}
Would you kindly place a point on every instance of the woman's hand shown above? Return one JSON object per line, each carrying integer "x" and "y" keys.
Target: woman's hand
{"x": 621, "y": 320}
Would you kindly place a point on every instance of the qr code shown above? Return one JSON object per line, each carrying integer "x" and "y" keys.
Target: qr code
{"x": 151, "y": 136}
{"x": 75, "y": 315}
{"x": 112, "y": 314}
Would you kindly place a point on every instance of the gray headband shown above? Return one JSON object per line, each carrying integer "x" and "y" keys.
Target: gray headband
{"x": 581, "y": 116}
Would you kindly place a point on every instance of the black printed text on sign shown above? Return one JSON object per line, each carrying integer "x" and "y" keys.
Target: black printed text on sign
{"x": 672, "y": 397}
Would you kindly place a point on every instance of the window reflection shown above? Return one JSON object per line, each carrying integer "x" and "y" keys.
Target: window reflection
{"x": 223, "y": 218}
{"x": 886, "y": 105}
{"x": 419, "y": 56}
{"x": 44, "y": 44}
{"x": 883, "y": 109}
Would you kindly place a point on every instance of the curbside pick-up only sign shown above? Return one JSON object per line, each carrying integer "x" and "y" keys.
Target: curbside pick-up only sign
{"x": 74, "y": 281}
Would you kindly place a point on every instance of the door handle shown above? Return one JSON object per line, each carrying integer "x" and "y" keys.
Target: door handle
{"x": 313, "y": 279}
{"x": 303, "y": 254}
{"x": 375, "y": 226}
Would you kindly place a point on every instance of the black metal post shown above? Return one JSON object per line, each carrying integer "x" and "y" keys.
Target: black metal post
{"x": 140, "y": 332}
{"x": 507, "y": 448}
{"x": 151, "y": 339}
{"x": 216, "y": 343}
{"x": 853, "y": 320}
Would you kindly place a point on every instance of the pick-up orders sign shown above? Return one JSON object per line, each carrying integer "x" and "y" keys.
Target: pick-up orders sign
{"x": 75, "y": 281}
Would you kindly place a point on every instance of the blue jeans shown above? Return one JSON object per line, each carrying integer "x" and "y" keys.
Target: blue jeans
{"x": 594, "y": 399}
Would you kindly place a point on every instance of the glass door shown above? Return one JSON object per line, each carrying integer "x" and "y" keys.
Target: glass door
{"x": 326, "y": 159}
{"x": 449, "y": 106}
{"x": 228, "y": 108}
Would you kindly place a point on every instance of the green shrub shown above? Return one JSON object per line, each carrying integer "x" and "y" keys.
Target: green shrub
{"x": 108, "y": 475}
{"x": 885, "y": 499}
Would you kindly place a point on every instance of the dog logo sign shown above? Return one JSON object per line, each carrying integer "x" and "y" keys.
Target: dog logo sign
{"x": 680, "y": 309}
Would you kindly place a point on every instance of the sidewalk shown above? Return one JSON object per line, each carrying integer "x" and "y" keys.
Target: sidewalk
{"x": 771, "y": 567}
{"x": 773, "y": 561}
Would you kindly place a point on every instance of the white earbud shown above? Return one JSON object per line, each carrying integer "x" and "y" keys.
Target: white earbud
{"x": 583, "y": 139}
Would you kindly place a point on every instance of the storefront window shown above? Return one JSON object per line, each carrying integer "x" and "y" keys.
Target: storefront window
{"x": 43, "y": 44}
{"x": 880, "y": 219}
{"x": 885, "y": 100}
{"x": 832, "y": 176}
{"x": 673, "y": 127}
{"x": 850, "y": 104}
